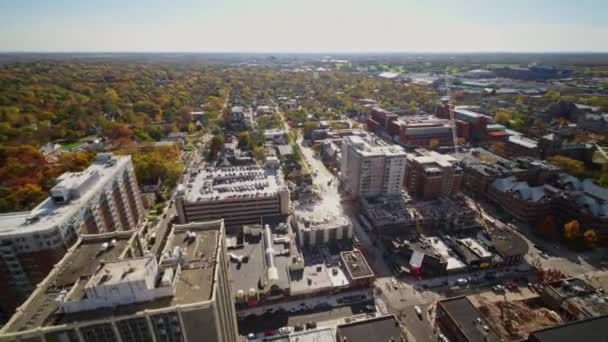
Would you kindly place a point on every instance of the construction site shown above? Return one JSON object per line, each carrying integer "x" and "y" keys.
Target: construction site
{"x": 515, "y": 320}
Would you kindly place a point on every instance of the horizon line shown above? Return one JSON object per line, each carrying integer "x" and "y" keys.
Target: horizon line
{"x": 303, "y": 52}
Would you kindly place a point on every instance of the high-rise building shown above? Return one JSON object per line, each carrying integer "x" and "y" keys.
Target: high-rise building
{"x": 103, "y": 198}
{"x": 239, "y": 195}
{"x": 371, "y": 167}
{"x": 429, "y": 174}
{"x": 106, "y": 289}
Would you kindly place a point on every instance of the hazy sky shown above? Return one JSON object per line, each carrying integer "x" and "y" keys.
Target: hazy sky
{"x": 304, "y": 25}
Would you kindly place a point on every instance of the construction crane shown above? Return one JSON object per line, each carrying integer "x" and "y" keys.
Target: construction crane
{"x": 452, "y": 122}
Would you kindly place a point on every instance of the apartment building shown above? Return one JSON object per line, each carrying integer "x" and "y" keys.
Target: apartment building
{"x": 429, "y": 174}
{"x": 239, "y": 195}
{"x": 370, "y": 167}
{"x": 107, "y": 289}
{"x": 103, "y": 198}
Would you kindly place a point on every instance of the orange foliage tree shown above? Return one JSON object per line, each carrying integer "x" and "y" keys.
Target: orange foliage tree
{"x": 590, "y": 237}
{"x": 572, "y": 230}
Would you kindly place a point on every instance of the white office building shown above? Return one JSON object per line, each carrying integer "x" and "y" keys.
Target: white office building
{"x": 371, "y": 167}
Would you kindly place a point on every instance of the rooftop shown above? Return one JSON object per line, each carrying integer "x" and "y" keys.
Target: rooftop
{"x": 506, "y": 242}
{"x": 246, "y": 274}
{"x": 356, "y": 265}
{"x": 453, "y": 262}
{"x": 520, "y": 188}
{"x": 78, "y": 187}
{"x": 81, "y": 261}
{"x": 374, "y": 147}
{"x": 468, "y": 320}
{"x": 229, "y": 183}
{"x": 380, "y": 329}
{"x": 593, "y": 329}
{"x": 198, "y": 244}
{"x": 315, "y": 335}
{"x": 423, "y": 156}
{"x": 523, "y": 141}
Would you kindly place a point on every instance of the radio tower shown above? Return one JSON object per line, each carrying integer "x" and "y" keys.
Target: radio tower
{"x": 452, "y": 122}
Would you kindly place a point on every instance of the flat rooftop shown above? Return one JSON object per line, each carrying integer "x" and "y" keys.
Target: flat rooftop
{"x": 593, "y": 329}
{"x": 246, "y": 275}
{"x": 316, "y": 335}
{"x": 507, "y": 243}
{"x": 41, "y": 309}
{"x": 195, "y": 284}
{"x": 475, "y": 247}
{"x": 380, "y": 329}
{"x": 370, "y": 147}
{"x": 356, "y": 265}
{"x": 423, "y": 156}
{"x": 233, "y": 183}
{"x": 48, "y": 214}
{"x": 322, "y": 218}
{"x": 453, "y": 262}
{"x": 523, "y": 141}
{"x": 322, "y": 270}
{"x": 468, "y": 320}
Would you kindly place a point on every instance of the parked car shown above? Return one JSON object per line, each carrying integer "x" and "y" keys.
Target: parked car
{"x": 298, "y": 327}
{"x": 462, "y": 281}
{"x": 498, "y": 288}
{"x": 311, "y": 325}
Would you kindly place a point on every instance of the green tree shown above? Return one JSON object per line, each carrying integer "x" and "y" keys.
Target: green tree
{"x": 216, "y": 144}
{"x": 552, "y": 96}
{"x": 308, "y": 127}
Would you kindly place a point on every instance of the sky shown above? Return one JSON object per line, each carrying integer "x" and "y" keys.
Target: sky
{"x": 304, "y": 26}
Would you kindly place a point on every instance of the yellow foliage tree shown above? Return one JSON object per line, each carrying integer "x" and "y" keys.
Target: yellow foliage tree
{"x": 590, "y": 237}
{"x": 572, "y": 230}
{"x": 502, "y": 118}
{"x": 571, "y": 166}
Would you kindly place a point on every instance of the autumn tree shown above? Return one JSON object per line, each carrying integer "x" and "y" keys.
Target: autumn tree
{"x": 569, "y": 165}
{"x": 29, "y": 195}
{"x": 502, "y": 117}
{"x": 590, "y": 237}
{"x": 572, "y": 230}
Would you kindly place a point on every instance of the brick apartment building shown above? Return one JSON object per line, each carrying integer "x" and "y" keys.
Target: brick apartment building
{"x": 429, "y": 174}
